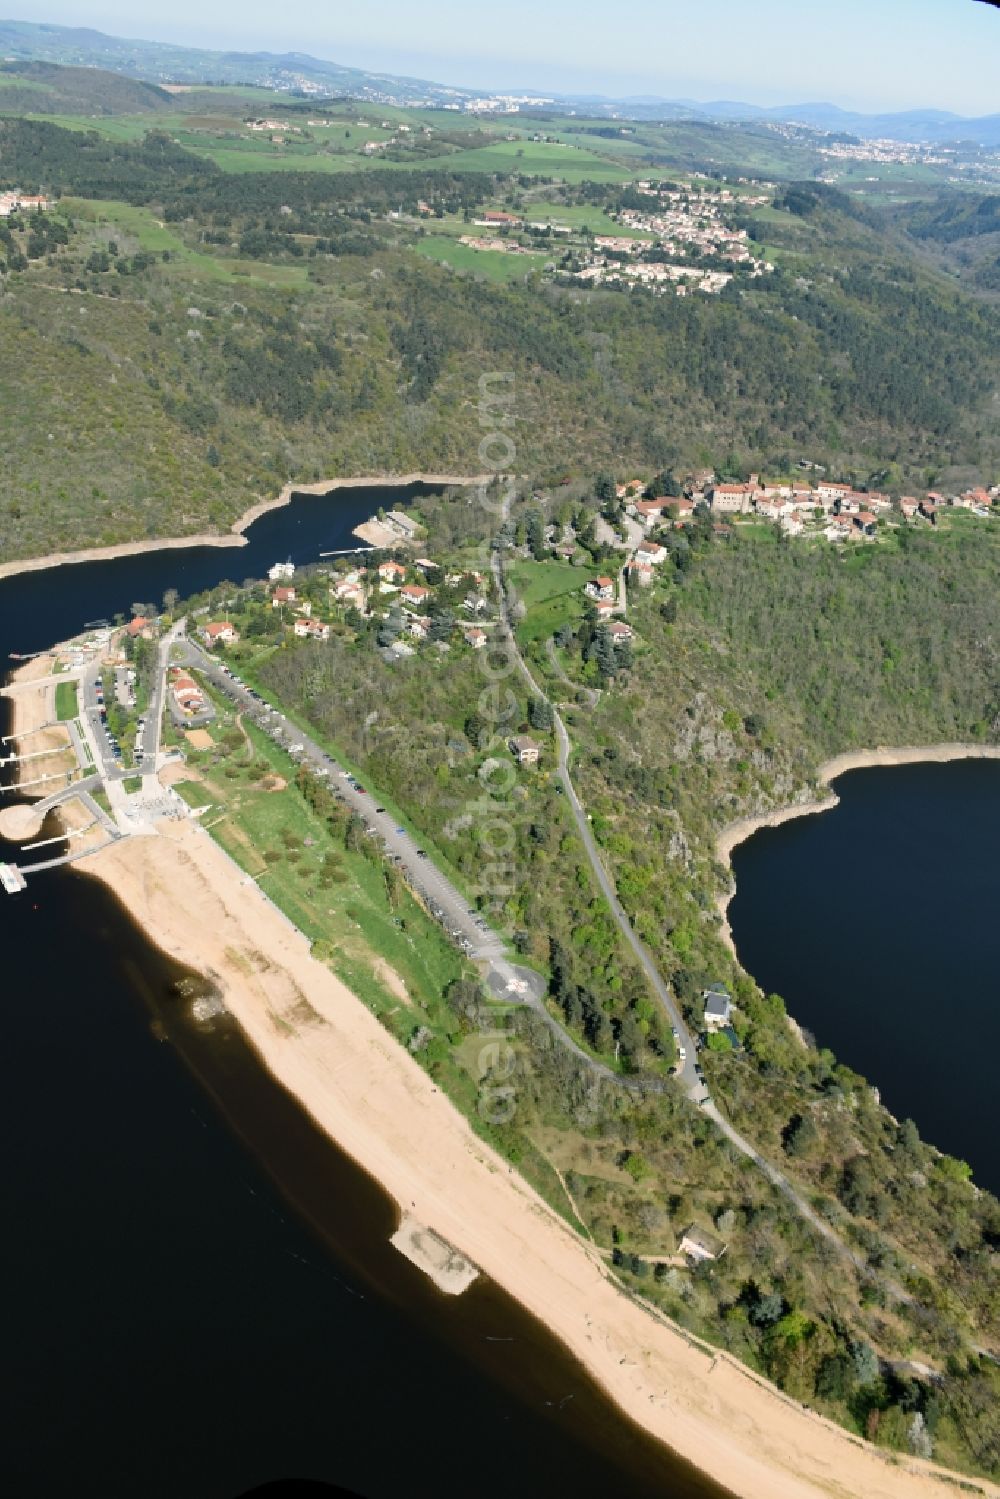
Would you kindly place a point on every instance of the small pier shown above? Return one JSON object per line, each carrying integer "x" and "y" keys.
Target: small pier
{"x": 12, "y": 879}
{"x": 450, "y": 1271}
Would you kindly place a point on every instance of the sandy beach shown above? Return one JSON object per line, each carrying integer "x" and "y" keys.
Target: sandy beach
{"x": 736, "y": 833}
{"x": 234, "y": 537}
{"x": 373, "y": 1099}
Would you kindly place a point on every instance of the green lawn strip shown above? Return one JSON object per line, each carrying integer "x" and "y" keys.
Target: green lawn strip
{"x": 66, "y": 701}
{"x": 579, "y": 216}
{"x": 132, "y": 784}
{"x": 101, "y": 798}
{"x": 402, "y": 819}
{"x": 280, "y": 823}
{"x": 194, "y": 793}
{"x": 492, "y": 265}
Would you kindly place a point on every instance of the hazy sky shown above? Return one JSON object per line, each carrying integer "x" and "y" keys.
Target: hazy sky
{"x": 869, "y": 54}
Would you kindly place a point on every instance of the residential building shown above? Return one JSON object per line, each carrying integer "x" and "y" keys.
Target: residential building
{"x": 404, "y": 524}
{"x": 829, "y": 491}
{"x": 619, "y": 631}
{"x": 281, "y": 570}
{"x": 221, "y": 632}
{"x": 475, "y": 637}
{"x": 413, "y": 595}
{"x": 311, "y": 629}
{"x": 718, "y": 1008}
{"x": 419, "y": 626}
{"x": 650, "y": 511}
{"x": 651, "y": 552}
{"x": 391, "y": 572}
{"x": 600, "y": 588}
{"x": 524, "y": 749}
{"x": 732, "y": 499}
{"x": 698, "y": 1244}
{"x": 282, "y": 596}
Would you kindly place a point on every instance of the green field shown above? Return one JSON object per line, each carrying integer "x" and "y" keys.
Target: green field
{"x": 552, "y": 594}
{"x": 67, "y": 705}
{"x": 579, "y": 216}
{"x": 492, "y": 265}
{"x": 342, "y": 898}
{"x": 150, "y": 233}
{"x": 534, "y": 158}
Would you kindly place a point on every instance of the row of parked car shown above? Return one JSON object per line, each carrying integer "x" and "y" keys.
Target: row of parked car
{"x": 274, "y": 724}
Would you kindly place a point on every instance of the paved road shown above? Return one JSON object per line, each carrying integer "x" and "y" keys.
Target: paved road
{"x": 687, "y": 1074}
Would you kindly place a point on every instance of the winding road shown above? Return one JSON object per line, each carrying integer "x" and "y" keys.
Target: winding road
{"x": 689, "y": 1075}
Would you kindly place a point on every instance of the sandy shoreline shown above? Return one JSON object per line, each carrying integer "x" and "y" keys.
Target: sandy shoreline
{"x": 379, "y": 1106}
{"x": 234, "y": 537}
{"x": 738, "y": 832}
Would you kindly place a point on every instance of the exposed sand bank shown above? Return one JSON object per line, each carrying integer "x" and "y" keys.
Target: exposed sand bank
{"x": 20, "y": 822}
{"x": 373, "y": 1099}
{"x": 910, "y": 754}
{"x": 234, "y": 537}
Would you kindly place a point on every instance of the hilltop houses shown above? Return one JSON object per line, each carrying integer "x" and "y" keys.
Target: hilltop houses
{"x": 311, "y": 629}
{"x": 349, "y": 590}
{"x": 25, "y": 202}
{"x": 221, "y": 632}
{"x": 391, "y": 572}
{"x": 600, "y": 588}
{"x": 732, "y": 499}
{"x": 282, "y": 596}
{"x": 413, "y": 595}
{"x": 524, "y": 749}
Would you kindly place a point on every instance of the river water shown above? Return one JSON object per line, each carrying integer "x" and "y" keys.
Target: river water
{"x": 875, "y": 922}
{"x": 200, "y": 1292}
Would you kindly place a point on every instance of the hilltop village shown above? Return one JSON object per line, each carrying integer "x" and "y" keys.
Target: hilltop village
{"x": 678, "y": 236}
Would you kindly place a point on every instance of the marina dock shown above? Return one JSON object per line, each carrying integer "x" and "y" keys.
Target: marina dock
{"x": 12, "y": 879}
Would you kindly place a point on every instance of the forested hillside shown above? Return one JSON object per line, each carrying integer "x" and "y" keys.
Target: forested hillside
{"x": 184, "y": 340}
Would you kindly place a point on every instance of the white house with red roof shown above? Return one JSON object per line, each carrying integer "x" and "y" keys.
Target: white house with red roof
{"x": 311, "y": 629}
{"x": 600, "y": 588}
{"x": 413, "y": 595}
{"x": 221, "y": 632}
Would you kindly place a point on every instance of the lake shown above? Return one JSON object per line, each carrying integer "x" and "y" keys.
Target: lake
{"x": 200, "y": 1293}
{"x": 875, "y": 924}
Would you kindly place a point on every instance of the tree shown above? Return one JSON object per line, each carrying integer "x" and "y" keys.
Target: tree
{"x": 866, "y": 1365}
{"x": 540, "y": 714}
{"x": 604, "y": 489}
{"x": 800, "y": 1135}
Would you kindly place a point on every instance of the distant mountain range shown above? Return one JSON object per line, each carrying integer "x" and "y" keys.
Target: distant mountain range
{"x": 297, "y": 72}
